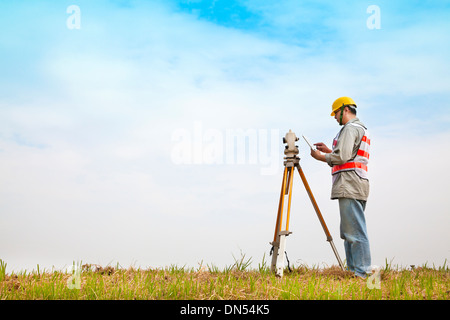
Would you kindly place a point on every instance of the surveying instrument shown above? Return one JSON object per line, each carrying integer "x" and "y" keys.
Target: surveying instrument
{"x": 291, "y": 162}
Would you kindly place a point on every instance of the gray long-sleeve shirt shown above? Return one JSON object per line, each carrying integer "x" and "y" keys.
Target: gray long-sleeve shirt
{"x": 348, "y": 184}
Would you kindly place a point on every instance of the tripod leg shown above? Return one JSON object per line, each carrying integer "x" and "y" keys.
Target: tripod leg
{"x": 279, "y": 242}
{"x": 319, "y": 215}
{"x": 280, "y": 205}
{"x": 290, "y": 185}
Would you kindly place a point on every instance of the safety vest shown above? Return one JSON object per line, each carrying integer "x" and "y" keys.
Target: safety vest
{"x": 360, "y": 162}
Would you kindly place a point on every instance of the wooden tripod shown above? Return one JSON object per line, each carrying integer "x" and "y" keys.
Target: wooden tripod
{"x": 282, "y": 224}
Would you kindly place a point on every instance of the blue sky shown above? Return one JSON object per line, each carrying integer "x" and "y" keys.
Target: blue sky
{"x": 90, "y": 120}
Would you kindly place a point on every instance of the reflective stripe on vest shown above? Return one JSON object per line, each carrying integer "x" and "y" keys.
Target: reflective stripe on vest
{"x": 360, "y": 162}
{"x": 349, "y": 165}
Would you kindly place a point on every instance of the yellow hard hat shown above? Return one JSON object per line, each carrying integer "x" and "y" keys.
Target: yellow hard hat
{"x": 342, "y": 101}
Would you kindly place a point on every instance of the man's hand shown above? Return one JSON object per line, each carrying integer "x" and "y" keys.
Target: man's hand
{"x": 316, "y": 154}
{"x": 322, "y": 147}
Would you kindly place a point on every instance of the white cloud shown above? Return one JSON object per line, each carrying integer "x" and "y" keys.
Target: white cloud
{"x": 407, "y": 212}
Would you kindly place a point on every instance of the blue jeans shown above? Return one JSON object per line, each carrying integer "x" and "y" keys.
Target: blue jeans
{"x": 354, "y": 232}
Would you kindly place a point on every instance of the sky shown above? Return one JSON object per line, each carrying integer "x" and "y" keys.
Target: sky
{"x": 149, "y": 133}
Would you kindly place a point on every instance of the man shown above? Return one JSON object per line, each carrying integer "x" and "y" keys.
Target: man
{"x": 349, "y": 157}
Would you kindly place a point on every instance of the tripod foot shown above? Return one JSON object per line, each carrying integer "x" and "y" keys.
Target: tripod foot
{"x": 279, "y": 253}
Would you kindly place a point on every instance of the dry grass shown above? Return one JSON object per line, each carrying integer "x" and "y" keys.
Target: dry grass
{"x": 232, "y": 283}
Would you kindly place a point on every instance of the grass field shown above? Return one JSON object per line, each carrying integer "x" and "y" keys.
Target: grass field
{"x": 236, "y": 282}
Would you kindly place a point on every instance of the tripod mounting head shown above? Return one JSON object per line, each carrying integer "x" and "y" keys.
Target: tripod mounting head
{"x": 290, "y": 150}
